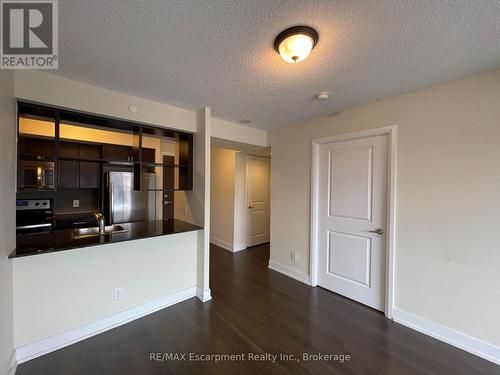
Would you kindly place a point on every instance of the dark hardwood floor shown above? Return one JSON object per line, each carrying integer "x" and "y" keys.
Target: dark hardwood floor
{"x": 256, "y": 310}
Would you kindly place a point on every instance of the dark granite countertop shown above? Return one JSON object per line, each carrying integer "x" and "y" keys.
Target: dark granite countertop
{"x": 64, "y": 239}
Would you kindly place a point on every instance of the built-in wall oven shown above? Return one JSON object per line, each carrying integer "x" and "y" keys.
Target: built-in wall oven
{"x": 36, "y": 175}
{"x": 34, "y": 216}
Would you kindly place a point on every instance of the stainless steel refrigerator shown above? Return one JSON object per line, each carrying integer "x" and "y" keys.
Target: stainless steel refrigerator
{"x": 127, "y": 205}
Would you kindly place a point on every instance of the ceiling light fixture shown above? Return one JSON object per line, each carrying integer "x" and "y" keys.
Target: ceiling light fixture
{"x": 295, "y": 43}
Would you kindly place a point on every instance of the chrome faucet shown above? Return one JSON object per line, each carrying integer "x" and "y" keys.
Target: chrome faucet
{"x": 100, "y": 221}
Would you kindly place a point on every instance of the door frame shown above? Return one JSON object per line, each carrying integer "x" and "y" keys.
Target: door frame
{"x": 391, "y": 132}
{"x": 268, "y": 160}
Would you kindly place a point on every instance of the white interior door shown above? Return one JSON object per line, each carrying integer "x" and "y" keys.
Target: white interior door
{"x": 257, "y": 182}
{"x": 352, "y": 219}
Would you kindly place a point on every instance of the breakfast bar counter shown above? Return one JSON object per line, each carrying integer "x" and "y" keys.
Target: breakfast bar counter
{"x": 67, "y": 239}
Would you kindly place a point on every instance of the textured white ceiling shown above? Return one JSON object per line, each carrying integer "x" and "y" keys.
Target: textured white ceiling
{"x": 219, "y": 53}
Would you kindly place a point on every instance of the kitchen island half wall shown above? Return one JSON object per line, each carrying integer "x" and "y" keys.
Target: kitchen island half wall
{"x": 61, "y": 295}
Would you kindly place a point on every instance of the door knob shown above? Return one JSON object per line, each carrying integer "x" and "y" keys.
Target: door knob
{"x": 167, "y": 202}
{"x": 250, "y": 207}
{"x": 377, "y": 231}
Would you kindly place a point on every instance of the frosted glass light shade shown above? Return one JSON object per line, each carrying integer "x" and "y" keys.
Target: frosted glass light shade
{"x": 295, "y": 43}
{"x": 296, "y": 48}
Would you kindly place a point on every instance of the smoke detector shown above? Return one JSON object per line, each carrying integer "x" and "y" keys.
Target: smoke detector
{"x": 323, "y": 95}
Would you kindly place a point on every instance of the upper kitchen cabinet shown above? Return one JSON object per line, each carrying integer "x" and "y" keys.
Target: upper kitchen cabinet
{"x": 78, "y": 165}
{"x": 65, "y": 149}
{"x": 37, "y": 133}
{"x": 116, "y": 144}
{"x": 173, "y": 158}
{"x": 36, "y": 148}
{"x": 112, "y": 152}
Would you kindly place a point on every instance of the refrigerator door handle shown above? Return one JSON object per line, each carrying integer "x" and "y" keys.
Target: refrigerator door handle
{"x": 112, "y": 203}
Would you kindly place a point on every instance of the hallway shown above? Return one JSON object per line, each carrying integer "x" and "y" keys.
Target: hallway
{"x": 256, "y": 310}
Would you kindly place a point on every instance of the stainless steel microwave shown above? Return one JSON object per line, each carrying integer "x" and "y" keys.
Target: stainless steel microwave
{"x": 37, "y": 175}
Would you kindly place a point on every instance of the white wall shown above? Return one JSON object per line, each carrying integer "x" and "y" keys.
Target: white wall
{"x": 7, "y": 213}
{"x": 201, "y": 195}
{"x": 239, "y": 133}
{"x": 240, "y": 204}
{"x": 60, "y": 291}
{"x": 228, "y": 205}
{"x": 448, "y": 198}
{"x": 228, "y": 199}
{"x": 222, "y": 197}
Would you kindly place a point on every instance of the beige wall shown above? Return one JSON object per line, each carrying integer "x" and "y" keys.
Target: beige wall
{"x": 228, "y": 205}
{"x": 448, "y": 198}
{"x": 222, "y": 196}
{"x": 240, "y": 204}
{"x": 69, "y": 289}
{"x": 7, "y": 214}
{"x": 49, "y": 89}
{"x": 201, "y": 196}
{"x": 239, "y": 133}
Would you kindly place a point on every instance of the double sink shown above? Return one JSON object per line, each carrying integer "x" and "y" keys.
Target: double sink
{"x": 94, "y": 231}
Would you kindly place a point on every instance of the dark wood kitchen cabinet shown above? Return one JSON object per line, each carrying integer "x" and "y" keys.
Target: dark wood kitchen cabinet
{"x": 148, "y": 155}
{"x": 67, "y": 174}
{"x": 75, "y": 150}
{"x": 90, "y": 174}
{"x": 74, "y": 174}
{"x": 92, "y": 152}
{"x": 36, "y": 147}
{"x": 78, "y": 173}
{"x": 117, "y": 153}
{"x": 125, "y": 153}
{"x": 69, "y": 150}
{"x": 79, "y": 163}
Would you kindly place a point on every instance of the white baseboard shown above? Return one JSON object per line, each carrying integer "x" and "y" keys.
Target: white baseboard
{"x": 290, "y": 272}
{"x": 203, "y": 295}
{"x": 239, "y": 247}
{"x": 448, "y": 335}
{"x": 234, "y": 248}
{"x": 225, "y": 245}
{"x": 49, "y": 344}
{"x": 12, "y": 367}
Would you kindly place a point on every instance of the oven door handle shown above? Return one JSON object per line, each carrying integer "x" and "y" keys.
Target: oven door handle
{"x": 33, "y": 226}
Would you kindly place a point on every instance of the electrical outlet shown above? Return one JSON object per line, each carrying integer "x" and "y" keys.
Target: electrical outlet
{"x": 76, "y": 203}
{"x": 118, "y": 293}
{"x": 294, "y": 256}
